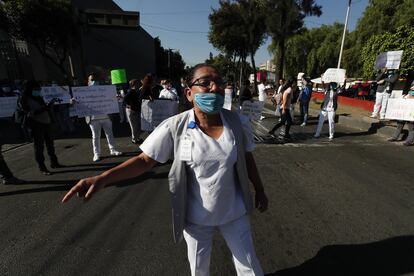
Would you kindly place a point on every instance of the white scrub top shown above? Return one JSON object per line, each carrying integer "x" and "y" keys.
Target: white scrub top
{"x": 214, "y": 197}
{"x": 262, "y": 94}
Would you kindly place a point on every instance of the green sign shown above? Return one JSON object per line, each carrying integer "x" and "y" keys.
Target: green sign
{"x": 118, "y": 76}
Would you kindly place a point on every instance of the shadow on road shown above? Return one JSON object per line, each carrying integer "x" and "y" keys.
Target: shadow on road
{"x": 393, "y": 256}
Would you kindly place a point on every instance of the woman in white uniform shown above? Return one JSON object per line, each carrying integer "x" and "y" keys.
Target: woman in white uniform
{"x": 211, "y": 148}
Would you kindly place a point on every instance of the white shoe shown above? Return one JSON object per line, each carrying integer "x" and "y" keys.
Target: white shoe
{"x": 96, "y": 158}
{"x": 330, "y": 138}
{"x": 303, "y": 124}
{"x": 115, "y": 153}
{"x": 262, "y": 117}
{"x": 373, "y": 116}
{"x": 382, "y": 118}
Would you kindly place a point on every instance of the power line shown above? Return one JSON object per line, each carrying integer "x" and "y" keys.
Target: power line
{"x": 174, "y": 13}
{"x": 171, "y": 30}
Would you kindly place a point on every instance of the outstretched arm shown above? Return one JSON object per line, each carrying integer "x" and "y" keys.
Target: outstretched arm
{"x": 131, "y": 168}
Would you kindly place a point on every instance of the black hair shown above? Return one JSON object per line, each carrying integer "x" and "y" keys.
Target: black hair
{"x": 289, "y": 83}
{"x": 191, "y": 74}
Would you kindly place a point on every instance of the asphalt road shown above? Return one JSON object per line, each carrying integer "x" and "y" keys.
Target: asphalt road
{"x": 336, "y": 208}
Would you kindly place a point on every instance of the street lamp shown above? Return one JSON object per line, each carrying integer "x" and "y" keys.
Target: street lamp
{"x": 343, "y": 36}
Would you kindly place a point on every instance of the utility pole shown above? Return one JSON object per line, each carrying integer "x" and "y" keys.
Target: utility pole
{"x": 343, "y": 36}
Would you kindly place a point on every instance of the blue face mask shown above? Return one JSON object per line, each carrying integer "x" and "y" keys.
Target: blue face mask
{"x": 209, "y": 103}
{"x": 36, "y": 93}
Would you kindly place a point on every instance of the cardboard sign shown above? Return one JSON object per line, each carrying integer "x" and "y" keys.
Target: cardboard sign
{"x": 153, "y": 113}
{"x": 400, "y": 109}
{"x": 8, "y": 106}
{"x": 94, "y": 100}
{"x": 59, "y": 93}
{"x": 334, "y": 75}
{"x": 227, "y": 99}
{"x": 389, "y": 60}
{"x": 253, "y": 110}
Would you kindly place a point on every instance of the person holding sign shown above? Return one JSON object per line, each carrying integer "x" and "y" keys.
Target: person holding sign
{"x": 286, "y": 118}
{"x": 169, "y": 92}
{"x": 39, "y": 121}
{"x": 328, "y": 109}
{"x": 400, "y": 124}
{"x": 96, "y": 124}
{"x": 385, "y": 80}
{"x": 209, "y": 178}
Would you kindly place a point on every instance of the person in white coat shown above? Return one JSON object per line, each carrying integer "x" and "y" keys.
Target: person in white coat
{"x": 97, "y": 123}
{"x": 209, "y": 178}
{"x": 169, "y": 92}
{"x": 328, "y": 109}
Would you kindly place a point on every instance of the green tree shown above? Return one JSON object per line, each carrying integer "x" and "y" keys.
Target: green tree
{"x": 285, "y": 19}
{"x": 237, "y": 28}
{"x": 401, "y": 39}
{"x": 49, "y": 25}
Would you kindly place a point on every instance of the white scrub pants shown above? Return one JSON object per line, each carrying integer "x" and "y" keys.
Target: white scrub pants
{"x": 237, "y": 235}
{"x": 134, "y": 119}
{"x": 331, "y": 119}
{"x": 381, "y": 100}
{"x": 96, "y": 128}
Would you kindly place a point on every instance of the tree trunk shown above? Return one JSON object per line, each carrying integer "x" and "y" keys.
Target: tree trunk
{"x": 282, "y": 52}
{"x": 254, "y": 71}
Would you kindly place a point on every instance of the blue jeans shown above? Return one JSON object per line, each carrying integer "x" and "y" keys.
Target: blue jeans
{"x": 304, "y": 110}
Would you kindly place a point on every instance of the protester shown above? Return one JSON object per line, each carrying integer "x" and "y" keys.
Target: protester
{"x": 97, "y": 123}
{"x": 385, "y": 81}
{"x": 132, "y": 101}
{"x": 277, "y": 97}
{"x": 286, "y": 118}
{"x": 400, "y": 124}
{"x": 304, "y": 99}
{"x": 169, "y": 92}
{"x": 39, "y": 120}
{"x": 328, "y": 108}
{"x": 209, "y": 176}
{"x": 245, "y": 93}
{"x": 146, "y": 90}
{"x": 262, "y": 94}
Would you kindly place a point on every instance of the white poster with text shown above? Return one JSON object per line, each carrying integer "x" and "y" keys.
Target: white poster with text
{"x": 334, "y": 75}
{"x": 8, "y": 106}
{"x": 94, "y": 100}
{"x": 400, "y": 109}
{"x": 389, "y": 60}
{"x": 60, "y": 94}
{"x": 252, "y": 109}
{"x": 227, "y": 100}
{"x": 154, "y": 112}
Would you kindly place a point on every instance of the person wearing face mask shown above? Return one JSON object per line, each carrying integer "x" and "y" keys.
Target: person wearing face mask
{"x": 96, "y": 124}
{"x": 133, "y": 103}
{"x": 39, "y": 120}
{"x": 328, "y": 109}
{"x": 400, "y": 124}
{"x": 304, "y": 99}
{"x": 385, "y": 81}
{"x": 209, "y": 178}
{"x": 168, "y": 92}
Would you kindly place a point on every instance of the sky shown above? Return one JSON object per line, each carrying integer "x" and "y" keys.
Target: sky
{"x": 183, "y": 25}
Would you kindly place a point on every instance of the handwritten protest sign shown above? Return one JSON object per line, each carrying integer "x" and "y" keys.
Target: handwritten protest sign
{"x": 153, "y": 113}
{"x": 334, "y": 75}
{"x": 389, "y": 60}
{"x": 227, "y": 100}
{"x": 60, "y": 93}
{"x": 400, "y": 109}
{"x": 94, "y": 100}
{"x": 8, "y": 106}
{"x": 253, "y": 110}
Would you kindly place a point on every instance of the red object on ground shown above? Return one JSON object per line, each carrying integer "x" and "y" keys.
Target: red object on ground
{"x": 366, "y": 105}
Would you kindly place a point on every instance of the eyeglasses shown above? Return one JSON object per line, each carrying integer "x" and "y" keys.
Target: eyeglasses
{"x": 206, "y": 83}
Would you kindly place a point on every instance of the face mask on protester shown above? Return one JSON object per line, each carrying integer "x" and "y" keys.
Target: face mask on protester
{"x": 209, "y": 103}
{"x": 91, "y": 83}
{"x": 36, "y": 93}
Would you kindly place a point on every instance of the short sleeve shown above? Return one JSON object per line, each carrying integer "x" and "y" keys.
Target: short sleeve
{"x": 159, "y": 144}
{"x": 248, "y": 133}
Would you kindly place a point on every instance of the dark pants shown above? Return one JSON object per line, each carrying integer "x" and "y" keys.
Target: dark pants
{"x": 304, "y": 110}
{"x": 4, "y": 169}
{"x": 41, "y": 137}
{"x": 285, "y": 119}
{"x": 399, "y": 129}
